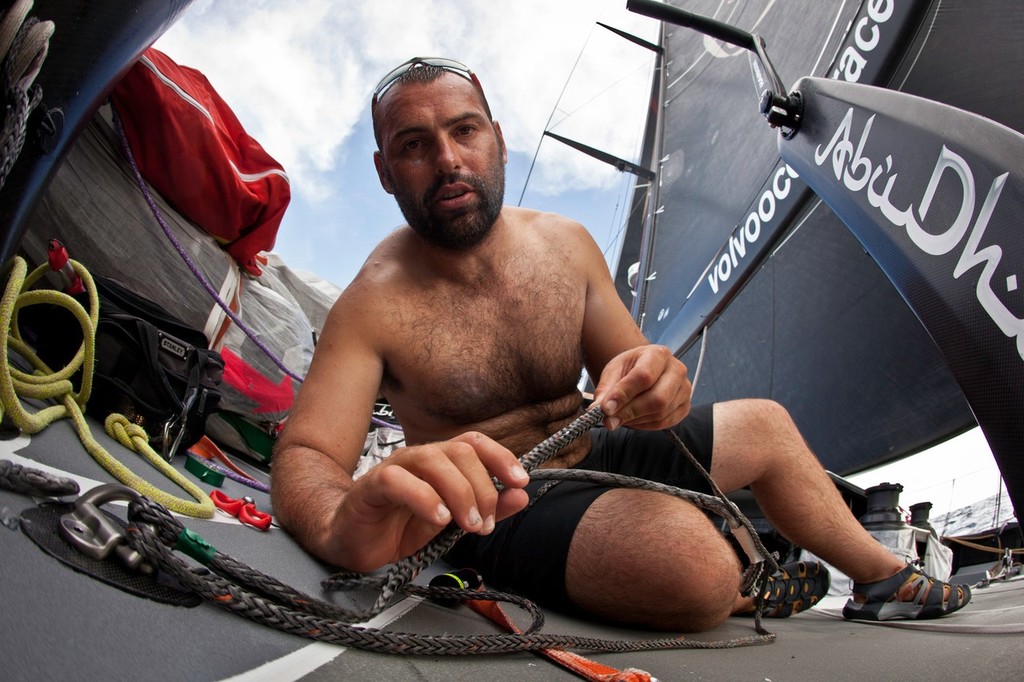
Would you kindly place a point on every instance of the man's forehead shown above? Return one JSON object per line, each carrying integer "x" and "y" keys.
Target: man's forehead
{"x": 447, "y": 85}
{"x": 448, "y": 98}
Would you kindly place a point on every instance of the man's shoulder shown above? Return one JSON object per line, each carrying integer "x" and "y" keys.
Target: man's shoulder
{"x": 381, "y": 271}
{"x": 535, "y": 217}
{"x": 545, "y": 224}
{"x": 387, "y": 260}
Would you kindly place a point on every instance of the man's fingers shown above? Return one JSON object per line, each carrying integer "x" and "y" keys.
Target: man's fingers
{"x": 644, "y": 388}
{"x": 455, "y": 472}
{"x": 664, "y": 404}
{"x": 396, "y": 486}
{"x": 497, "y": 460}
{"x": 633, "y": 373}
{"x": 511, "y": 501}
{"x": 454, "y": 477}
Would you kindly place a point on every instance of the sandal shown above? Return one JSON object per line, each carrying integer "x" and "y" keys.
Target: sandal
{"x": 928, "y": 600}
{"x": 794, "y": 588}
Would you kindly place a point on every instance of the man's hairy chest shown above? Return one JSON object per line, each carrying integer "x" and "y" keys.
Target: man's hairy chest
{"x": 467, "y": 358}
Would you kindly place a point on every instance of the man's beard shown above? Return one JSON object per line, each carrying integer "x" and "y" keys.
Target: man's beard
{"x": 465, "y": 229}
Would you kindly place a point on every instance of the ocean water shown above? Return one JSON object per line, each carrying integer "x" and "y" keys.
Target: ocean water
{"x": 985, "y": 515}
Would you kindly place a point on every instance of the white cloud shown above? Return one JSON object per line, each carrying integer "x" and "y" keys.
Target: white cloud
{"x": 278, "y": 69}
{"x": 299, "y": 72}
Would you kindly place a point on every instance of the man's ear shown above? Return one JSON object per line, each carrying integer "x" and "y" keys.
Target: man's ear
{"x": 382, "y": 173}
{"x": 501, "y": 141}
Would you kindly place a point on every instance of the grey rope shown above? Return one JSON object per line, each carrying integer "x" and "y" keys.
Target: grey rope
{"x": 23, "y": 46}
{"x": 265, "y": 600}
{"x": 261, "y": 598}
{"x": 155, "y": 533}
{"x": 28, "y": 481}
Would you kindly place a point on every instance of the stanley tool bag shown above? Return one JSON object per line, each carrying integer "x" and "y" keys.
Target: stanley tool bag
{"x": 153, "y": 369}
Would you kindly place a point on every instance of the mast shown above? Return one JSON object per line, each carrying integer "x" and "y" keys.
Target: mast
{"x": 638, "y": 244}
{"x": 640, "y": 215}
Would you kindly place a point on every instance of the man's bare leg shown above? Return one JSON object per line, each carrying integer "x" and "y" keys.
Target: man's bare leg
{"x": 649, "y": 559}
{"x": 757, "y": 444}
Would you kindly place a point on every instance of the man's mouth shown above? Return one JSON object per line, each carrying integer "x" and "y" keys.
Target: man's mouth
{"x": 453, "y": 195}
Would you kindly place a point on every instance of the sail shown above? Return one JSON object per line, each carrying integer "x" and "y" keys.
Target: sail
{"x": 750, "y": 278}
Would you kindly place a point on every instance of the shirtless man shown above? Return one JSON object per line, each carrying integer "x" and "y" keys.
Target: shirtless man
{"x": 475, "y": 321}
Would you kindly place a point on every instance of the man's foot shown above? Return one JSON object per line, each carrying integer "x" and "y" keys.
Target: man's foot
{"x": 794, "y": 588}
{"x": 908, "y": 594}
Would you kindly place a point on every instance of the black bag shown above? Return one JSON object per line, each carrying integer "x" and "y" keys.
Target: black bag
{"x": 152, "y": 368}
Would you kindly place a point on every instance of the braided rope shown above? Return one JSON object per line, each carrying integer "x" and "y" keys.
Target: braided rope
{"x": 309, "y": 617}
{"x": 709, "y": 502}
{"x": 29, "y": 481}
{"x": 23, "y": 46}
{"x": 250, "y": 593}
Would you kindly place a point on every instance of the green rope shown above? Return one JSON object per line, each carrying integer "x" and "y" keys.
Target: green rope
{"x": 45, "y": 384}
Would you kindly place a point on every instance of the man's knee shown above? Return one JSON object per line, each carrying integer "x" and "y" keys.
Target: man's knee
{"x": 672, "y": 593}
{"x": 752, "y": 438}
{"x": 760, "y": 416}
{"x": 702, "y": 593}
{"x": 647, "y": 559}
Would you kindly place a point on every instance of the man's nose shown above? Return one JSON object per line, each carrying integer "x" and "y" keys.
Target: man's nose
{"x": 448, "y": 157}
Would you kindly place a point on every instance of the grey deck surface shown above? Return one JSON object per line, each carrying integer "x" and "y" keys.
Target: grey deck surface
{"x": 59, "y": 624}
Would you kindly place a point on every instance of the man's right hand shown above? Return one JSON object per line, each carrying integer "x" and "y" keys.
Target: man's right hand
{"x": 405, "y": 501}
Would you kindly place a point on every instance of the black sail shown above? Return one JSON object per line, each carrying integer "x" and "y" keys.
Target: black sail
{"x": 752, "y": 279}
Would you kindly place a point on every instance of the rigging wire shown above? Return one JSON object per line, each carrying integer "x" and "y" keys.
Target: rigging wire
{"x": 536, "y": 153}
{"x": 700, "y": 361}
{"x": 605, "y": 90}
{"x": 613, "y": 239}
{"x": 620, "y": 226}
{"x": 616, "y": 226}
{"x": 568, "y": 114}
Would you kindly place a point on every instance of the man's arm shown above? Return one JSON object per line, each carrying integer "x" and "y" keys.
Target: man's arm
{"x": 402, "y": 503}
{"x": 641, "y": 385}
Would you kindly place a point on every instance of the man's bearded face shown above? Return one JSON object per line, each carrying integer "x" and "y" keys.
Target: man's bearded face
{"x": 463, "y": 229}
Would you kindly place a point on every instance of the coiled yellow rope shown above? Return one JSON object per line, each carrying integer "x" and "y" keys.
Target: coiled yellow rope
{"x": 45, "y": 384}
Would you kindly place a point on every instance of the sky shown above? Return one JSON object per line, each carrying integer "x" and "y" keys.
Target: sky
{"x": 299, "y": 75}
{"x": 953, "y": 474}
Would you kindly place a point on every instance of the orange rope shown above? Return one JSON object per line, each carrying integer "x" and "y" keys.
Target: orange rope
{"x": 584, "y": 667}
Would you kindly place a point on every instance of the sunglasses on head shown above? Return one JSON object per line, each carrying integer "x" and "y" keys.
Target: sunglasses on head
{"x": 449, "y": 65}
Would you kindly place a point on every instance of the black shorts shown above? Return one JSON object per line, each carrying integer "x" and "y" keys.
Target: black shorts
{"x": 527, "y": 552}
